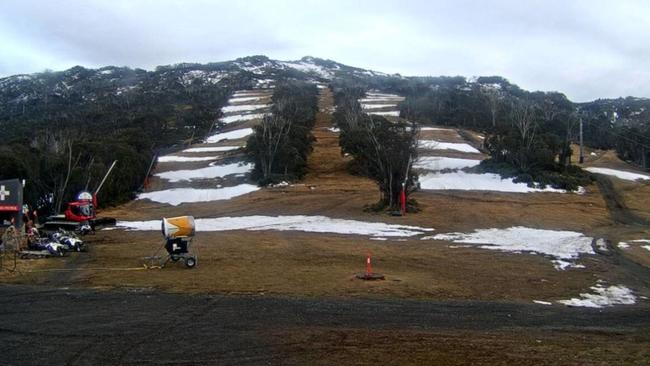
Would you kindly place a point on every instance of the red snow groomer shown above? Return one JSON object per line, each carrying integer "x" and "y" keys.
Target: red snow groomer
{"x": 80, "y": 215}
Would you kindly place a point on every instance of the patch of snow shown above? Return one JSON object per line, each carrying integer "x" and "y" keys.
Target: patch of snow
{"x": 618, "y": 173}
{"x": 309, "y": 68}
{"x": 437, "y": 129}
{"x": 243, "y": 99}
{"x": 334, "y": 129}
{"x": 389, "y": 113}
{"x": 439, "y": 145}
{"x": 176, "y": 196}
{"x": 241, "y": 117}
{"x": 243, "y": 108}
{"x": 436, "y": 163}
{"x": 603, "y": 296}
{"x": 211, "y": 149}
{"x": 623, "y": 245}
{"x": 646, "y": 247}
{"x": 542, "y": 302}
{"x": 312, "y": 224}
{"x": 561, "y": 245}
{"x": 641, "y": 241}
{"x": 231, "y": 135}
{"x": 593, "y": 154}
{"x": 379, "y": 239}
{"x": 601, "y": 244}
{"x": 477, "y": 182}
{"x": 215, "y": 171}
{"x": 562, "y": 265}
{"x": 176, "y": 158}
{"x": 376, "y": 106}
{"x": 389, "y": 99}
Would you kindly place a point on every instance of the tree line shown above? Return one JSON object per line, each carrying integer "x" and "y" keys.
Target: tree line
{"x": 382, "y": 150}
{"x": 280, "y": 145}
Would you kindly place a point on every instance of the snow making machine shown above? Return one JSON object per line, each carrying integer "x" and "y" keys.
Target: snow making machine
{"x": 178, "y": 233}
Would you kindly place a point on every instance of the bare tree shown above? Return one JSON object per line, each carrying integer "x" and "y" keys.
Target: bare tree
{"x": 72, "y": 163}
{"x": 492, "y": 99}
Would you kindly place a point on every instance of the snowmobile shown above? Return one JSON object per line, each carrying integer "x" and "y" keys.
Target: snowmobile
{"x": 47, "y": 246}
{"x": 69, "y": 240}
{"x": 80, "y": 215}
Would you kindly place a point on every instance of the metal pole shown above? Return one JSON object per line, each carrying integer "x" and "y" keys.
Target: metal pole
{"x": 582, "y": 157}
{"x": 106, "y": 176}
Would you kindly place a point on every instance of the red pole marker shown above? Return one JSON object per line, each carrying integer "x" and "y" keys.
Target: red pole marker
{"x": 402, "y": 201}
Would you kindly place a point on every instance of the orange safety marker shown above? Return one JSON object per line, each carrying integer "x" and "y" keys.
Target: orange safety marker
{"x": 368, "y": 264}
{"x": 369, "y": 275}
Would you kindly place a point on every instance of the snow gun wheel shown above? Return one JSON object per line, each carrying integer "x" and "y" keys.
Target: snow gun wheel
{"x": 190, "y": 262}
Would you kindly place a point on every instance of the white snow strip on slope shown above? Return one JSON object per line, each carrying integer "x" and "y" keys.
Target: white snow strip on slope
{"x": 389, "y": 113}
{"x": 623, "y": 245}
{"x": 436, "y": 163}
{"x": 312, "y": 224}
{"x": 382, "y": 95}
{"x": 241, "y": 117}
{"x": 211, "y": 149}
{"x": 231, "y": 135}
{"x": 618, "y": 173}
{"x": 370, "y": 100}
{"x": 562, "y": 245}
{"x": 176, "y": 196}
{"x": 542, "y": 302}
{"x": 176, "y": 158}
{"x": 309, "y": 67}
{"x": 439, "y": 145}
{"x": 243, "y": 99}
{"x": 216, "y": 171}
{"x": 477, "y": 182}
{"x": 243, "y": 108}
{"x": 603, "y": 296}
{"x": 436, "y": 129}
{"x": 376, "y": 106}
{"x": 646, "y": 247}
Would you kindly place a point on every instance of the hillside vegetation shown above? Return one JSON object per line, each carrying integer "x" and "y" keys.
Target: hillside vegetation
{"x": 61, "y": 130}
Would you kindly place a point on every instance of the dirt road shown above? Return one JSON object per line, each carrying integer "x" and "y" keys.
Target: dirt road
{"x": 44, "y": 325}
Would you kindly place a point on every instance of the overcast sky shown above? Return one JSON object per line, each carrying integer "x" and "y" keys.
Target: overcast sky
{"x": 585, "y": 49}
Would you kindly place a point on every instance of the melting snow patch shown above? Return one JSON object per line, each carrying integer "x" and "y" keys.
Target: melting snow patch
{"x": 603, "y": 296}
{"x": 436, "y": 129}
{"x": 646, "y": 247}
{"x": 176, "y": 158}
{"x": 618, "y": 173}
{"x": 243, "y": 108}
{"x": 376, "y": 106}
{"x": 542, "y": 302}
{"x": 389, "y": 113}
{"x": 176, "y": 196}
{"x": 312, "y": 224}
{"x": 215, "y": 171}
{"x": 439, "y": 145}
{"x": 211, "y": 149}
{"x": 477, "y": 182}
{"x": 563, "y": 246}
{"x": 232, "y": 135}
{"x": 623, "y": 245}
{"x": 436, "y": 163}
{"x": 243, "y": 99}
{"x": 241, "y": 117}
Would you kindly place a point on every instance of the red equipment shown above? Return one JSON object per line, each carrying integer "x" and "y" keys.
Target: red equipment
{"x": 81, "y": 212}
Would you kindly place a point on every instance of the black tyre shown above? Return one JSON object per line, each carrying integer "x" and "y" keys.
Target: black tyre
{"x": 190, "y": 262}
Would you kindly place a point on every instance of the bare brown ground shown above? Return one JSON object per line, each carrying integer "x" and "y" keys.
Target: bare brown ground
{"x": 296, "y": 263}
{"x": 327, "y": 346}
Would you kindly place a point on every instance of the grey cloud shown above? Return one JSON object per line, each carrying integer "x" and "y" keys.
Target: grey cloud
{"x": 586, "y": 49}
